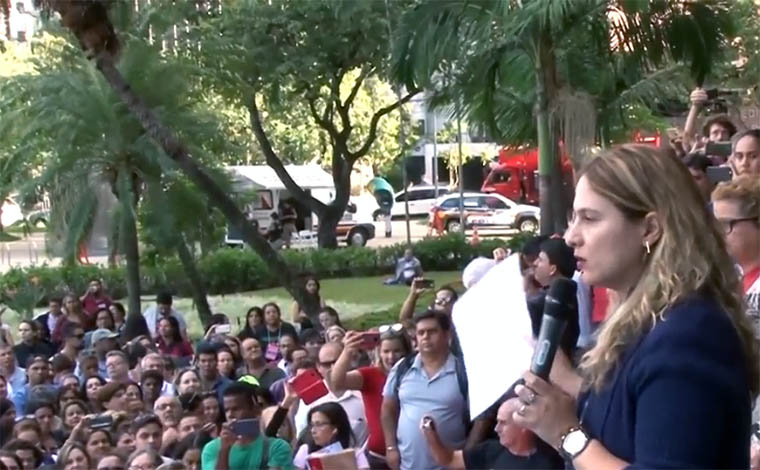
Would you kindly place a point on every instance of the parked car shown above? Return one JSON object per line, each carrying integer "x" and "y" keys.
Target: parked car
{"x": 421, "y": 200}
{"x": 483, "y": 210}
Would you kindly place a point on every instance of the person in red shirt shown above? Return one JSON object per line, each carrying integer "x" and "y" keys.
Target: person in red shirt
{"x": 170, "y": 341}
{"x": 95, "y": 299}
{"x": 370, "y": 381}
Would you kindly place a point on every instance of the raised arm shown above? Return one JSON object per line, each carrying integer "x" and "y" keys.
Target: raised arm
{"x": 407, "y": 309}
{"x": 341, "y": 377}
{"x": 698, "y": 98}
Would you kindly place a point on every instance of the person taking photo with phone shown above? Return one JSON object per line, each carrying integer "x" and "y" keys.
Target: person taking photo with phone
{"x": 240, "y": 444}
{"x": 393, "y": 345}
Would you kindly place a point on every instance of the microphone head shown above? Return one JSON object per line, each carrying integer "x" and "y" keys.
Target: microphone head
{"x": 561, "y": 298}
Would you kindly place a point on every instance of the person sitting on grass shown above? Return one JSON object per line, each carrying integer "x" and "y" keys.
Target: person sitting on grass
{"x": 408, "y": 268}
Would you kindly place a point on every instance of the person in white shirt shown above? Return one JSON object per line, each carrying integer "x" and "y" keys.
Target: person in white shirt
{"x": 329, "y": 433}
{"x": 154, "y": 361}
{"x": 351, "y": 400}
{"x": 163, "y": 308}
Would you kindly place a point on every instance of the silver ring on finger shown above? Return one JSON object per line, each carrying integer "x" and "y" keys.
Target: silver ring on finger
{"x": 531, "y": 398}
{"x": 522, "y": 409}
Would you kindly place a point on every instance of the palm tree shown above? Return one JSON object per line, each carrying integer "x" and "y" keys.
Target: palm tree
{"x": 501, "y": 47}
{"x": 92, "y": 140}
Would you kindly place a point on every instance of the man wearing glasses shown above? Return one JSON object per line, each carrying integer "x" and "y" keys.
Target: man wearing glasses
{"x": 736, "y": 205}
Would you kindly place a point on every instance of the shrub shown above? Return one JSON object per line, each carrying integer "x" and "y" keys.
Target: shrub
{"x": 230, "y": 270}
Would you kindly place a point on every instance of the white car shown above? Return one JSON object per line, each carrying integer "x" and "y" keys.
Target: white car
{"x": 421, "y": 200}
{"x": 484, "y": 210}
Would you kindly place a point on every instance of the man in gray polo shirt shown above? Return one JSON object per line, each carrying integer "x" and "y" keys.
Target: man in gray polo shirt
{"x": 429, "y": 386}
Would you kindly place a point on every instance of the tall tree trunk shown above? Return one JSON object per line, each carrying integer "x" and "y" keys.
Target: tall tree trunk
{"x": 549, "y": 185}
{"x": 199, "y": 287}
{"x": 129, "y": 242}
{"x": 328, "y": 224}
{"x": 177, "y": 151}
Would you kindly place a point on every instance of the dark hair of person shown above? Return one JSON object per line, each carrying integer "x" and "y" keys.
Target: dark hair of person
{"x": 532, "y": 247}
{"x": 120, "y": 307}
{"x": 5, "y": 405}
{"x": 444, "y": 321}
{"x": 110, "y": 389}
{"x": 560, "y": 255}
{"x": 247, "y": 331}
{"x": 311, "y": 334}
{"x": 139, "y": 388}
{"x": 152, "y": 374}
{"x": 36, "y": 358}
{"x": 83, "y": 389}
{"x": 338, "y": 418}
{"x": 176, "y": 336}
{"x": 185, "y": 445}
{"x": 289, "y": 354}
{"x": 63, "y": 391}
{"x": 697, "y": 161}
{"x": 33, "y": 325}
{"x": 246, "y": 391}
{"x": 272, "y": 304}
{"x": 144, "y": 420}
{"x": 721, "y": 120}
{"x": 69, "y": 328}
{"x": 56, "y": 298}
{"x": 134, "y": 326}
{"x": 164, "y": 298}
{"x": 61, "y": 363}
{"x": 110, "y": 316}
{"x": 454, "y": 294}
{"x": 18, "y": 444}
{"x": 26, "y": 424}
{"x": 307, "y": 364}
{"x": 310, "y": 303}
{"x": 81, "y": 404}
{"x": 205, "y": 347}
{"x": 134, "y": 353}
{"x": 333, "y": 313}
{"x": 106, "y": 432}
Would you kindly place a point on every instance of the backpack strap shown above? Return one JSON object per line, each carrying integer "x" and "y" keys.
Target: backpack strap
{"x": 464, "y": 388}
{"x": 403, "y": 368}
{"x": 264, "y": 465}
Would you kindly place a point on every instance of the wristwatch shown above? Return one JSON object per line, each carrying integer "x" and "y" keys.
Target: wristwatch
{"x": 573, "y": 442}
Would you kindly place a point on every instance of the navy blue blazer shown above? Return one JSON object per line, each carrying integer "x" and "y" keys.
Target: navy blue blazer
{"x": 679, "y": 397}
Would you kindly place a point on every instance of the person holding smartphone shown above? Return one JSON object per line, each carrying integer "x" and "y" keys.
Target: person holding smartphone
{"x": 393, "y": 345}
{"x": 240, "y": 444}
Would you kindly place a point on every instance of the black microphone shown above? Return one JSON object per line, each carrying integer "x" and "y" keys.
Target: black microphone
{"x": 560, "y": 302}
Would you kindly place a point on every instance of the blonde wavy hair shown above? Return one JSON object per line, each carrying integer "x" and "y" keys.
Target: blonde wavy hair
{"x": 690, "y": 256}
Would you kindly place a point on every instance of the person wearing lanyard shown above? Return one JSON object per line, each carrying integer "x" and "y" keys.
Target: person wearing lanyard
{"x": 270, "y": 332}
{"x": 671, "y": 379}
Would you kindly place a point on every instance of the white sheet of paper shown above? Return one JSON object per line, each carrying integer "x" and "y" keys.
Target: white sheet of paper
{"x": 493, "y": 326}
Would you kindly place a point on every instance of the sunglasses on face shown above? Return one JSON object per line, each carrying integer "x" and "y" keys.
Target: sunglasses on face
{"x": 394, "y": 328}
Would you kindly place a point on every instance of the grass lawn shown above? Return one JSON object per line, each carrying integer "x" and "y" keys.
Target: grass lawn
{"x": 361, "y": 301}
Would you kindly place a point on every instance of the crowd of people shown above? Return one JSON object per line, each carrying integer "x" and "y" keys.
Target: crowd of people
{"x": 86, "y": 386}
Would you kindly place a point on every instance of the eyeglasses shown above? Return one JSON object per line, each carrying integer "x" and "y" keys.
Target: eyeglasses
{"x": 728, "y": 224}
{"x": 442, "y": 300}
{"x": 317, "y": 425}
{"x": 80, "y": 336}
{"x": 395, "y": 328}
{"x": 327, "y": 364}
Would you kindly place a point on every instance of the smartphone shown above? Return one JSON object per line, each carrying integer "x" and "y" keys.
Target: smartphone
{"x": 246, "y": 427}
{"x": 425, "y": 283}
{"x": 222, "y": 329}
{"x": 101, "y": 422}
{"x": 718, "y": 149}
{"x": 370, "y": 340}
{"x": 309, "y": 386}
{"x": 717, "y": 174}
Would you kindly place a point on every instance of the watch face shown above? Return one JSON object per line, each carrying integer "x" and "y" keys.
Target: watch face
{"x": 574, "y": 442}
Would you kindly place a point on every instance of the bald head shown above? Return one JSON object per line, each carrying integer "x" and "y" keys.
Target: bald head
{"x": 251, "y": 350}
{"x": 328, "y": 354}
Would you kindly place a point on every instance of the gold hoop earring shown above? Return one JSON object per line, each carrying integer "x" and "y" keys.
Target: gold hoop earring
{"x": 649, "y": 251}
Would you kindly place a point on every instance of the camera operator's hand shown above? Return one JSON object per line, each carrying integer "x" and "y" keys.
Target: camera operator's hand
{"x": 698, "y": 97}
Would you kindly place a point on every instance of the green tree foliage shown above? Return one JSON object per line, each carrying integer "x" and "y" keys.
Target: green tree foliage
{"x": 551, "y": 58}
{"x": 319, "y": 67}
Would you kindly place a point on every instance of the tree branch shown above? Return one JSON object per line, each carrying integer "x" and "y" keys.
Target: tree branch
{"x": 343, "y": 108}
{"x": 177, "y": 151}
{"x": 322, "y": 121}
{"x": 352, "y": 157}
{"x": 274, "y": 161}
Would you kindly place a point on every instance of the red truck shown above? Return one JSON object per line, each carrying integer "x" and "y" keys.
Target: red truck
{"x": 515, "y": 175}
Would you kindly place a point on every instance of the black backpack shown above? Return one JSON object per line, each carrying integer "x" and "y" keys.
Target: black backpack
{"x": 406, "y": 364}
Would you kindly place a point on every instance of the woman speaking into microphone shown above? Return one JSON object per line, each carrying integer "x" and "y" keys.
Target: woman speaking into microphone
{"x": 672, "y": 377}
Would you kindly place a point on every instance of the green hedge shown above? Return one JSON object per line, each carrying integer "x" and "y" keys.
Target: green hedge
{"x": 230, "y": 270}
